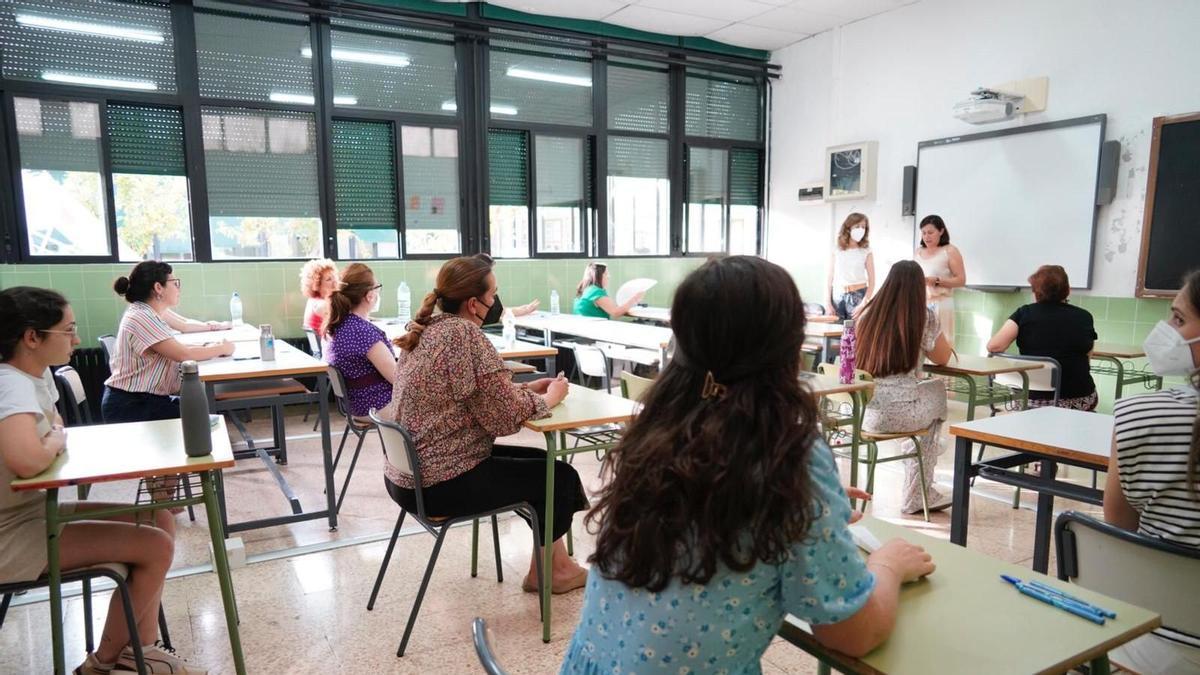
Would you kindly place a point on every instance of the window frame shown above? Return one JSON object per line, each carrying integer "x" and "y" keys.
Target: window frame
{"x": 729, "y": 146}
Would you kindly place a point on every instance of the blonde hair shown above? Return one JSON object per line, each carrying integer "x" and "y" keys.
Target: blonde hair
{"x": 311, "y": 273}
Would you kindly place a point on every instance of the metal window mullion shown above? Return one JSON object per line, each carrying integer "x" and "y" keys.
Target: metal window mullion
{"x": 727, "y": 206}
{"x": 107, "y": 185}
{"x": 398, "y": 186}
{"x": 322, "y": 72}
{"x": 531, "y": 195}
{"x": 676, "y": 169}
{"x": 20, "y": 228}
{"x": 471, "y": 90}
{"x": 598, "y": 244}
{"x": 187, "y": 84}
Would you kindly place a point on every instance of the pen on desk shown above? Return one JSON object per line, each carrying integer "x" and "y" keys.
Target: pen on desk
{"x": 245, "y": 358}
{"x": 1065, "y": 605}
{"x": 1050, "y": 590}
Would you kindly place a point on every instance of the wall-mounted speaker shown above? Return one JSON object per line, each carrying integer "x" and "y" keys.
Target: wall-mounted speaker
{"x": 1110, "y": 161}
{"x": 908, "y": 198}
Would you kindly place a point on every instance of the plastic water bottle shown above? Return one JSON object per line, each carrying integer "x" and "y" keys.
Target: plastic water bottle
{"x": 193, "y": 412}
{"x": 846, "y": 353}
{"x": 266, "y": 343}
{"x": 403, "y": 304}
{"x": 554, "y": 308}
{"x": 235, "y": 310}
{"x": 509, "y": 332}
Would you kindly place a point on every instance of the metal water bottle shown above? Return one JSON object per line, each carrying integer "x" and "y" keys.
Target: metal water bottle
{"x": 266, "y": 343}
{"x": 846, "y": 353}
{"x": 193, "y": 412}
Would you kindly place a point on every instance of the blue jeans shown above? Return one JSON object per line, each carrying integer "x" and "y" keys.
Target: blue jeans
{"x": 118, "y": 405}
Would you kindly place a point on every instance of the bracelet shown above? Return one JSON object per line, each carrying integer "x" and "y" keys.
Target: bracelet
{"x": 887, "y": 567}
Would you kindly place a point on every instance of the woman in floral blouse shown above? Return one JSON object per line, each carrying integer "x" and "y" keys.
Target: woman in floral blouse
{"x": 454, "y": 395}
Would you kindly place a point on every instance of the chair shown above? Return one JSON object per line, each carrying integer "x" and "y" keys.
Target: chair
{"x": 118, "y": 573}
{"x": 590, "y": 361}
{"x": 1131, "y": 567}
{"x": 314, "y": 348}
{"x": 634, "y": 387}
{"x": 108, "y": 345}
{"x": 483, "y": 648}
{"x": 359, "y": 425}
{"x": 1046, "y": 378}
{"x": 401, "y": 452}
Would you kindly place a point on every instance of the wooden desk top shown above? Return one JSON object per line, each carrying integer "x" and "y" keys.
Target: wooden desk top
{"x": 970, "y": 364}
{"x": 288, "y": 361}
{"x": 601, "y": 330}
{"x": 1055, "y": 432}
{"x": 964, "y": 619}
{"x": 822, "y": 329}
{"x": 110, "y": 452}
{"x": 1117, "y": 350}
{"x": 585, "y": 407}
{"x": 825, "y": 385}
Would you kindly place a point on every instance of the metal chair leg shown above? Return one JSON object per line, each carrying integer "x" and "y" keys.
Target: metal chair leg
{"x": 164, "y": 634}
{"x": 131, "y": 623}
{"x": 474, "y": 548}
{"x": 187, "y": 491}
{"x": 88, "y": 638}
{"x": 338, "y": 457}
{"x": 4, "y": 602}
{"x": 412, "y": 617}
{"x": 535, "y": 527}
{"x": 346, "y": 483}
{"x": 387, "y": 557}
{"x": 496, "y": 543}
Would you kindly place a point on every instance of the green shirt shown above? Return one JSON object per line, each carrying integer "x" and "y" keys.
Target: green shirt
{"x": 585, "y": 305}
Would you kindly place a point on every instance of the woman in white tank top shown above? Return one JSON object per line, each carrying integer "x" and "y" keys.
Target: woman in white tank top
{"x": 944, "y": 272}
{"x": 851, "y": 268}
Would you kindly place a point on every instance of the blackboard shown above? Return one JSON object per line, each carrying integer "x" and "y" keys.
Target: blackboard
{"x": 1171, "y": 225}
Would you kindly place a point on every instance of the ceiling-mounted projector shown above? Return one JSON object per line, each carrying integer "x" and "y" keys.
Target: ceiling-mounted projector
{"x": 986, "y": 105}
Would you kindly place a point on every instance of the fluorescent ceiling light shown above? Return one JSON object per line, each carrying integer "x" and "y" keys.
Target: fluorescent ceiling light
{"x": 495, "y": 109}
{"x": 121, "y": 32}
{"x": 526, "y": 74}
{"x": 305, "y": 99}
{"x": 375, "y": 58}
{"x": 92, "y": 81}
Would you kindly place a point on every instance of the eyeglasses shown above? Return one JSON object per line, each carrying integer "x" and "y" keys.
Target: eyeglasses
{"x": 74, "y": 332}
{"x": 178, "y": 282}
{"x": 377, "y": 287}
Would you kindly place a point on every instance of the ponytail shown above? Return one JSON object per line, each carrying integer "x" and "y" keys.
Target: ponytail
{"x": 357, "y": 281}
{"x": 409, "y": 340}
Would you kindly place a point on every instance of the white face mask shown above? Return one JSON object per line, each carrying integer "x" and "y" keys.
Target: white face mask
{"x": 1168, "y": 352}
{"x": 857, "y": 233}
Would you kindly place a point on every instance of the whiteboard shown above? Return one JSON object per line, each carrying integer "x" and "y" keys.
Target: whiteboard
{"x": 1016, "y": 199}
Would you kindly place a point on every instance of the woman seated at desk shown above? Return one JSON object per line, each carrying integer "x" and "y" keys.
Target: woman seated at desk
{"x": 591, "y": 295}
{"x": 318, "y": 281}
{"x": 356, "y": 347}
{"x": 144, "y": 384}
{"x": 1051, "y": 327}
{"x": 1152, "y": 483}
{"x": 39, "y": 332}
{"x": 687, "y": 569}
{"x": 454, "y": 395}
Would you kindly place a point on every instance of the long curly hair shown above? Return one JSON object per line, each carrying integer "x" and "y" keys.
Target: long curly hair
{"x": 311, "y": 273}
{"x": 714, "y": 470}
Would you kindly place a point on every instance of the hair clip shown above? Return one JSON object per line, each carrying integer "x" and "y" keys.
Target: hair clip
{"x": 712, "y": 388}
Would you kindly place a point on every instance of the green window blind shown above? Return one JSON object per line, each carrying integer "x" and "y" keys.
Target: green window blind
{"x": 364, "y": 174}
{"x": 637, "y": 157}
{"x": 412, "y": 72}
{"x": 58, "y": 135}
{"x": 719, "y": 106}
{"x": 706, "y": 175}
{"x": 745, "y": 177}
{"x": 260, "y": 163}
{"x": 508, "y": 162}
{"x": 549, "y": 85}
{"x": 637, "y": 98}
{"x": 254, "y": 59}
{"x": 146, "y": 140}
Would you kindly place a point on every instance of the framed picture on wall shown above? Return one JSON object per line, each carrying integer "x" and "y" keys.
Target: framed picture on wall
{"x": 850, "y": 171}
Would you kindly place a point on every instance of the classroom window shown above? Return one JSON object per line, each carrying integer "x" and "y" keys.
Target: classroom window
{"x": 431, "y": 223}
{"x": 262, "y": 183}
{"x": 562, "y": 209}
{"x": 638, "y": 97}
{"x": 150, "y": 185}
{"x": 745, "y": 200}
{"x": 113, "y": 45}
{"x": 412, "y": 72}
{"x": 705, "y": 208}
{"x": 722, "y": 106}
{"x": 253, "y": 59}
{"x": 508, "y": 192}
{"x": 639, "y": 192}
{"x": 63, "y": 191}
{"x": 547, "y": 85}
{"x": 364, "y": 188}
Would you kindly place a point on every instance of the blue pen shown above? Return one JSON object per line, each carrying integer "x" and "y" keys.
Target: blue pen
{"x": 1038, "y": 594}
{"x": 1070, "y": 598}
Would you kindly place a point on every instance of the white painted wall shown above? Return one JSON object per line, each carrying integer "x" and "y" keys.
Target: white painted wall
{"x": 894, "y": 78}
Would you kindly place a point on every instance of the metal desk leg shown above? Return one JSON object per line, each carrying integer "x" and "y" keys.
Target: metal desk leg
{"x": 1120, "y": 377}
{"x": 326, "y": 449}
{"x": 1100, "y": 665}
{"x": 221, "y": 566}
{"x": 962, "y": 491}
{"x": 827, "y": 354}
{"x": 972, "y": 397}
{"x": 1045, "y": 517}
{"x": 54, "y": 574}
{"x": 856, "y": 413}
{"x": 1024, "y": 390}
{"x": 548, "y": 530}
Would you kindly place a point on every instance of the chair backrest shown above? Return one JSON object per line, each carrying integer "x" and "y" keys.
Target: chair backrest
{"x": 108, "y": 345}
{"x": 1131, "y": 567}
{"x": 400, "y": 451}
{"x": 591, "y": 361}
{"x": 633, "y": 387}
{"x": 314, "y": 342}
{"x": 338, "y": 385}
{"x": 483, "y": 648}
{"x": 76, "y": 397}
{"x": 1045, "y": 378}
{"x": 834, "y": 370}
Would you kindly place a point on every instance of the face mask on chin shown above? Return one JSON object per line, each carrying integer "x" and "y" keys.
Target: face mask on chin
{"x": 1168, "y": 353}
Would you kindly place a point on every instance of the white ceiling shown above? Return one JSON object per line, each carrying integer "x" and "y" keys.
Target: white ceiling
{"x": 758, "y": 24}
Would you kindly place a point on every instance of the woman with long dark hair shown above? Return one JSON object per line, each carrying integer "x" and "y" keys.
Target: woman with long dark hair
{"x": 894, "y": 335}
{"x": 724, "y": 511}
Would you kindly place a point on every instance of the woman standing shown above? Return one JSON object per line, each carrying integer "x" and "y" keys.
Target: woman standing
{"x": 318, "y": 280}
{"x": 896, "y": 333}
{"x": 591, "y": 295}
{"x": 943, "y": 267}
{"x": 144, "y": 384}
{"x": 851, "y": 268}
{"x": 356, "y": 347}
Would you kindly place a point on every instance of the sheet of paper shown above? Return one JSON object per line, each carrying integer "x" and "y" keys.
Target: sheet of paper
{"x": 632, "y": 287}
{"x": 864, "y": 538}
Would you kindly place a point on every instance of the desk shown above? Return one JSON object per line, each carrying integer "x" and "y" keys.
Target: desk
{"x": 522, "y": 350}
{"x": 828, "y": 385}
{"x": 288, "y": 362}
{"x": 242, "y": 333}
{"x": 1113, "y": 360}
{"x": 966, "y": 367}
{"x": 828, "y": 332}
{"x": 640, "y": 336}
{"x": 964, "y": 619}
{"x": 582, "y": 407}
{"x": 145, "y": 449}
{"x": 1052, "y": 435}
{"x": 653, "y": 314}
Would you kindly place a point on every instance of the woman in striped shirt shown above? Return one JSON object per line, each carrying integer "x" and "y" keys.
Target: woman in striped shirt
{"x": 1152, "y": 485}
{"x": 144, "y": 384}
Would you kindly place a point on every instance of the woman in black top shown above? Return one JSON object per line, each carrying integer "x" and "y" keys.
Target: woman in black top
{"x": 1051, "y": 327}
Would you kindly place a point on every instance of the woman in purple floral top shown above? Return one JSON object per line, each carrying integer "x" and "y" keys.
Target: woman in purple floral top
{"x": 357, "y": 348}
